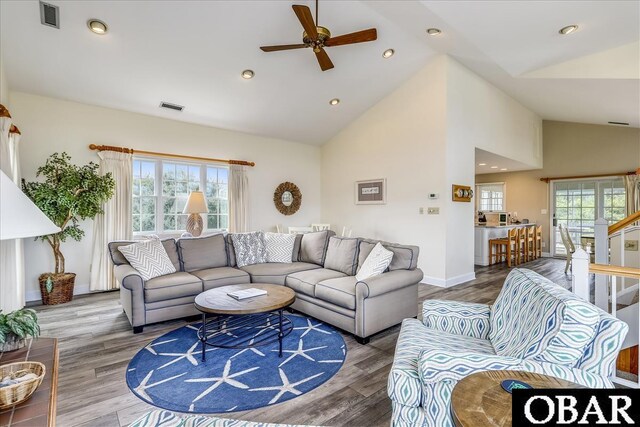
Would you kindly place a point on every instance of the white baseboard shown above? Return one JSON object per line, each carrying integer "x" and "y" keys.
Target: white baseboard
{"x": 33, "y": 295}
{"x": 452, "y": 281}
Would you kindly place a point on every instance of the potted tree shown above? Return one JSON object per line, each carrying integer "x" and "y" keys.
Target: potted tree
{"x": 16, "y": 327}
{"x": 68, "y": 194}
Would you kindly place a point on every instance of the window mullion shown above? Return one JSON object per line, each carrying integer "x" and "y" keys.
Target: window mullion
{"x": 203, "y": 188}
{"x": 159, "y": 192}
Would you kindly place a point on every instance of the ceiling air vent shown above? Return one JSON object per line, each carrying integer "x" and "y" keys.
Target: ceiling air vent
{"x": 619, "y": 123}
{"x": 171, "y": 106}
{"x": 49, "y": 15}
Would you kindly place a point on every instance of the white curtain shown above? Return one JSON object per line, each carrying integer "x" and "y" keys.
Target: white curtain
{"x": 632, "y": 184}
{"x": 238, "y": 199}
{"x": 115, "y": 223}
{"x": 12, "y": 285}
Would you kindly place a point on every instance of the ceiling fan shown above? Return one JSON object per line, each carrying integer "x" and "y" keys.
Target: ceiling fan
{"x": 317, "y": 37}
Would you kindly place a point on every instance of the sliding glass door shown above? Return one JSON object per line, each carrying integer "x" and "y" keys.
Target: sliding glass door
{"x": 577, "y": 205}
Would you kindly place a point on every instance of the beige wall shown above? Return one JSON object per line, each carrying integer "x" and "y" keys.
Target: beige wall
{"x": 50, "y": 125}
{"x": 4, "y": 85}
{"x": 569, "y": 149}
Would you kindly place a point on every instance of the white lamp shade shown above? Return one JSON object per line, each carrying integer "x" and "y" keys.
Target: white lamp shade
{"x": 19, "y": 216}
{"x": 196, "y": 203}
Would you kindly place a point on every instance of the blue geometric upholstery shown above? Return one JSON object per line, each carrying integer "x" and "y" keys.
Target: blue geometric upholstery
{"x": 534, "y": 325}
{"x": 162, "y": 418}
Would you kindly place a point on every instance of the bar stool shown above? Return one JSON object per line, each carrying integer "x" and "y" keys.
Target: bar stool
{"x": 531, "y": 243}
{"x": 522, "y": 245}
{"x": 504, "y": 247}
{"x": 538, "y": 241}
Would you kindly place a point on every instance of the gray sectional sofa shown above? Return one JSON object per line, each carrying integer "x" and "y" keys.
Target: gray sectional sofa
{"x": 321, "y": 272}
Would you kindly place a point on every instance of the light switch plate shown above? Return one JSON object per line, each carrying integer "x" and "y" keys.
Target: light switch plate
{"x": 543, "y": 212}
{"x": 433, "y": 211}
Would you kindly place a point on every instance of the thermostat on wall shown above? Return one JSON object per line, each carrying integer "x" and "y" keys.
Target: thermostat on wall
{"x": 433, "y": 195}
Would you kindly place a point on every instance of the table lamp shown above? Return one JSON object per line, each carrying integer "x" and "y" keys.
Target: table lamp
{"x": 19, "y": 216}
{"x": 196, "y": 204}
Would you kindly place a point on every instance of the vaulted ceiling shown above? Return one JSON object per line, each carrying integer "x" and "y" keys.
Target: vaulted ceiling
{"x": 192, "y": 53}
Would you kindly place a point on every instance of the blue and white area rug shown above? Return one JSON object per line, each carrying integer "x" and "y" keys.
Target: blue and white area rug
{"x": 169, "y": 372}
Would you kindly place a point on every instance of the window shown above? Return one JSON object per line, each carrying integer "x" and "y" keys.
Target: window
{"x": 490, "y": 197}
{"x": 577, "y": 205}
{"x": 160, "y": 192}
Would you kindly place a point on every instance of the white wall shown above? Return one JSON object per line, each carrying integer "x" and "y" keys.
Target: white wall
{"x": 4, "y": 85}
{"x": 50, "y": 125}
{"x": 422, "y": 139}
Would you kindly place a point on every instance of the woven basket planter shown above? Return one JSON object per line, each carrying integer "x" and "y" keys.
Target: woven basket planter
{"x": 18, "y": 393}
{"x": 62, "y": 288}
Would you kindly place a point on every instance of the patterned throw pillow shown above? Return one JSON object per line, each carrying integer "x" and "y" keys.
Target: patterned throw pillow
{"x": 279, "y": 246}
{"x": 377, "y": 262}
{"x": 249, "y": 248}
{"x": 149, "y": 257}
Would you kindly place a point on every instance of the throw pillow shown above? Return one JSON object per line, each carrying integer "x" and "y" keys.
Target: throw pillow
{"x": 376, "y": 263}
{"x": 342, "y": 254}
{"x": 279, "y": 246}
{"x": 249, "y": 248}
{"x": 149, "y": 257}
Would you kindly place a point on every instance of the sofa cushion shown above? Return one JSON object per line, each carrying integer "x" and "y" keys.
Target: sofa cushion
{"x": 279, "y": 246}
{"x": 405, "y": 257}
{"x": 149, "y": 258}
{"x": 200, "y": 253}
{"x": 404, "y": 385}
{"x": 276, "y": 273}
{"x": 169, "y": 246}
{"x": 231, "y": 252}
{"x": 305, "y": 281}
{"x": 533, "y": 318}
{"x": 249, "y": 248}
{"x": 342, "y": 255}
{"x": 376, "y": 263}
{"x": 313, "y": 246}
{"x": 340, "y": 291}
{"x": 171, "y": 286}
{"x": 221, "y": 276}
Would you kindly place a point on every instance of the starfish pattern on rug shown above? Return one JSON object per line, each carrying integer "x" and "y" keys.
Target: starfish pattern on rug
{"x": 144, "y": 384}
{"x": 286, "y": 387}
{"x": 253, "y": 349}
{"x": 311, "y": 327}
{"x": 149, "y": 347}
{"x": 224, "y": 379}
{"x": 188, "y": 355}
{"x": 300, "y": 351}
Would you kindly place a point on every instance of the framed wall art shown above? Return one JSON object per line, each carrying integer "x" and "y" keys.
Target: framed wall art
{"x": 371, "y": 192}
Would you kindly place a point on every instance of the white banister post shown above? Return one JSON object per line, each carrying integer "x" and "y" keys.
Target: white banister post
{"x": 580, "y": 270}
{"x": 601, "y": 234}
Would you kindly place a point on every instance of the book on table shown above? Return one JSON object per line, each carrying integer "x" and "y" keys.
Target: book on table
{"x": 247, "y": 293}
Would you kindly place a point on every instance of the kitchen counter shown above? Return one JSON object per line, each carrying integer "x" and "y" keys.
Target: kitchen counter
{"x": 484, "y": 233}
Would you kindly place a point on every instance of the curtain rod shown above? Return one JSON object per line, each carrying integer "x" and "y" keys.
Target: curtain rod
{"x": 179, "y": 156}
{"x": 636, "y": 172}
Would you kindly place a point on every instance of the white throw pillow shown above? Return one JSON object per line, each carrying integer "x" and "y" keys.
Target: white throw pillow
{"x": 279, "y": 246}
{"x": 149, "y": 257}
{"x": 376, "y": 263}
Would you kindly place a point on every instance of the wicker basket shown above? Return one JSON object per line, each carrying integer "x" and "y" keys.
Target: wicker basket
{"x": 18, "y": 393}
{"x": 62, "y": 288}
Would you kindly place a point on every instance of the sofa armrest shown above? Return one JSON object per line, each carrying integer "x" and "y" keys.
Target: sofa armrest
{"x": 461, "y": 318}
{"x": 387, "y": 282}
{"x": 435, "y": 366}
{"x": 128, "y": 277}
{"x": 131, "y": 293}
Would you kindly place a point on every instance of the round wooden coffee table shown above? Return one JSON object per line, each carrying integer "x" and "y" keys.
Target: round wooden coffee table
{"x": 479, "y": 399}
{"x": 233, "y": 322}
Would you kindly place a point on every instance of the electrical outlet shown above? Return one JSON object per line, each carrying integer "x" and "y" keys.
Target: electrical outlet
{"x": 543, "y": 211}
{"x": 544, "y": 244}
{"x": 433, "y": 211}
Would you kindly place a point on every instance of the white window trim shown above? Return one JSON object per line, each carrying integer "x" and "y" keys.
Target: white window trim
{"x": 158, "y": 195}
{"x": 504, "y": 195}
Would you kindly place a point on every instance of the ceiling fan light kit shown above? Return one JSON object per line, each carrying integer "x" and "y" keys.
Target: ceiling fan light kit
{"x": 318, "y": 37}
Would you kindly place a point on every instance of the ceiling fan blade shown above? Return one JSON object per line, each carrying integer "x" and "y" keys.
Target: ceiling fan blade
{"x": 282, "y": 47}
{"x": 324, "y": 60}
{"x": 358, "y": 37}
{"x": 304, "y": 16}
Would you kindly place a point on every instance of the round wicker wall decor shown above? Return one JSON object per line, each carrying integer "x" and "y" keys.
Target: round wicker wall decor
{"x": 290, "y": 203}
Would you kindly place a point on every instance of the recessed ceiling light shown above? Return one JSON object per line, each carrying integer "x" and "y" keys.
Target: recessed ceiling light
{"x": 97, "y": 26}
{"x": 494, "y": 167}
{"x": 568, "y": 29}
{"x": 434, "y": 31}
{"x": 388, "y": 53}
{"x": 482, "y": 164}
{"x": 248, "y": 74}
{"x": 334, "y": 101}
{"x": 503, "y": 169}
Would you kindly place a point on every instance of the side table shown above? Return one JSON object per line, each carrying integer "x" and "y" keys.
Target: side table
{"x": 479, "y": 399}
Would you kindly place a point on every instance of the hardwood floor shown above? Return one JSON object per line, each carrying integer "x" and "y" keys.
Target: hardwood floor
{"x": 96, "y": 344}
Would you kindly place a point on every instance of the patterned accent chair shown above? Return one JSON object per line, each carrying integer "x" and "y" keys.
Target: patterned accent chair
{"x": 534, "y": 325}
{"x": 161, "y": 418}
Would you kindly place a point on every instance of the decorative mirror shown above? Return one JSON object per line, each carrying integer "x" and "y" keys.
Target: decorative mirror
{"x": 287, "y": 198}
